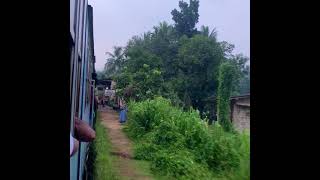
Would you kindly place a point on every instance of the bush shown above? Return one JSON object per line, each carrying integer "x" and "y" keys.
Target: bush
{"x": 243, "y": 147}
{"x": 194, "y": 130}
{"x": 179, "y": 164}
{"x": 145, "y": 151}
{"x": 144, "y": 116}
{"x": 222, "y": 152}
{"x": 180, "y": 144}
{"x": 167, "y": 135}
{"x": 164, "y": 137}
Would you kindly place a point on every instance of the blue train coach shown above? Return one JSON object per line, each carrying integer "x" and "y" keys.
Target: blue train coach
{"x": 82, "y": 78}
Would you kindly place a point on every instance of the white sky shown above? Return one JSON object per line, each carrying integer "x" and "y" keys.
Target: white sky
{"x": 116, "y": 21}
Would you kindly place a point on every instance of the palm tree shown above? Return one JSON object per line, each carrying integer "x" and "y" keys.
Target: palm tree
{"x": 114, "y": 61}
{"x": 163, "y": 30}
{"x": 206, "y": 32}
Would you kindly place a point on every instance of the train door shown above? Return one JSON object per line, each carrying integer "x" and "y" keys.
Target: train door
{"x": 74, "y": 161}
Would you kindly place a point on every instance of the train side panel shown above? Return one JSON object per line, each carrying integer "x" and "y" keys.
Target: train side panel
{"x": 82, "y": 82}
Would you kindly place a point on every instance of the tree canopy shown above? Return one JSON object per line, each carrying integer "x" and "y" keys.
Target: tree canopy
{"x": 177, "y": 62}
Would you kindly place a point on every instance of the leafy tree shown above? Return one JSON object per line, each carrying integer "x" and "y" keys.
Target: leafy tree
{"x": 141, "y": 75}
{"x": 199, "y": 59}
{"x": 244, "y": 86}
{"x": 186, "y": 19}
{"x": 101, "y": 75}
{"x": 177, "y": 62}
{"x": 226, "y": 80}
{"x": 164, "y": 44}
{"x": 242, "y": 76}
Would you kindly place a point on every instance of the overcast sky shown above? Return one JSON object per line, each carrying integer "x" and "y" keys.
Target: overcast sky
{"x": 116, "y": 21}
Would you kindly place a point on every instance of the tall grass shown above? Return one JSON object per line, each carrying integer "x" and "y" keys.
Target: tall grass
{"x": 103, "y": 166}
{"x": 181, "y": 145}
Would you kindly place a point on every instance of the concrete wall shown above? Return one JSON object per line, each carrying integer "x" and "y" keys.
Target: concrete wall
{"x": 241, "y": 114}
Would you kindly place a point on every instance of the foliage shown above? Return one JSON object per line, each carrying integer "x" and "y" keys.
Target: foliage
{"x": 195, "y": 71}
{"x": 180, "y": 144}
{"x": 145, "y": 115}
{"x": 226, "y": 80}
{"x": 114, "y": 62}
{"x": 243, "y": 147}
{"x": 242, "y": 74}
{"x": 244, "y": 86}
{"x": 101, "y": 75}
{"x": 179, "y": 165}
{"x": 199, "y": 59}
{"x": 145, "y": 151}
{"x": 177, "y": 62}
{"x": 187, "y": 18}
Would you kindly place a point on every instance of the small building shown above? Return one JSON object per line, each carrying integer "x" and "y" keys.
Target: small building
{"x": 104, "y": 83}
{"x": 240, "y": 112}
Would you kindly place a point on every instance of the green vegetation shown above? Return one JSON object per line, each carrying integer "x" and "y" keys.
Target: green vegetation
{"x": 178, "y": 62}
{"x": 195, "y": 71}
{"x": 226, "y": 80}
{"x": 103, "y": 166}
{"x": 186, "y": 19}
{"x": 145, "y": 170}
{"x": 181, "y": 145}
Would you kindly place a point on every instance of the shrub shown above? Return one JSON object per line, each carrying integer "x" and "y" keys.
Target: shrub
{"x": 164, "y": 137}
{"x": 146, "y": 115}
{"x": 179, "y": 164}
{"x": 181, "y": 145}
{"x": 192, "y": 128}
{"x": 243, "y": 147}
{"x": 219, "y": 151}
{"x": 145, "y": 151}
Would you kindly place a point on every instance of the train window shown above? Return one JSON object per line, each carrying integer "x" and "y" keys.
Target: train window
{"x": 78, "y": 87}
{"x": 87, "y": 91}
{"x": 72, "y": 17}
{"x": 71, "y": 78}
{"x": 71, "y": 66}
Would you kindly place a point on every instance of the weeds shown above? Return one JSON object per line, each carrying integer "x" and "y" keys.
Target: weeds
{"x": 103, "y": 167}
{"x": 181, "y": 145}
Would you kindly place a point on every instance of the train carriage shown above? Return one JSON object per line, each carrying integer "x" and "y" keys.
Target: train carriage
{"x": 82, "y": 77}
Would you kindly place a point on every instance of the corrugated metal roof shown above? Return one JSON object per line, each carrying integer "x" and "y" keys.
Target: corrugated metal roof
{"x": 241, "y": 96}
{"x": 243, "y": 104}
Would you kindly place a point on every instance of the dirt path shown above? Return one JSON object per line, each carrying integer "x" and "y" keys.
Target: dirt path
{"x": 121, "y": 146}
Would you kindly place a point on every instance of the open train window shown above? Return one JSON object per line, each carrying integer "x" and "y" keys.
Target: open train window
{"x": 78, "y": 87}
{"x": 75, "y": 93}
{"x": 71, "y": 75}
{"x": 71, "y": 64}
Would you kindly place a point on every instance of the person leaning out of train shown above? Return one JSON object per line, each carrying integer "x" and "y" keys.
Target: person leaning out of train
{"x": 83, "y": 133}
